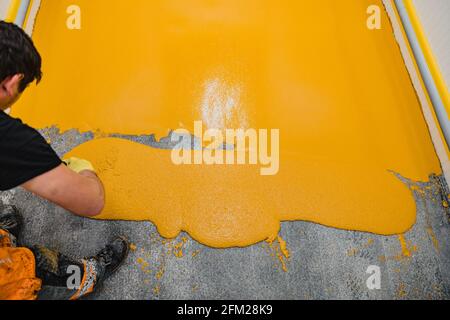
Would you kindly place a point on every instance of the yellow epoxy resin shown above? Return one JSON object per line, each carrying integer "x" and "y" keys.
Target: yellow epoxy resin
{"x": 339, "y": 93}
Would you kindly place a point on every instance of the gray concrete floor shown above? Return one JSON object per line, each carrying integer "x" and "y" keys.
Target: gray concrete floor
{"x": 324, "y": 263}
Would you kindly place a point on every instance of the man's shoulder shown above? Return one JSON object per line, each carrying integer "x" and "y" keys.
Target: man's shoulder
{"x": 7, "y": 123}
{"x": 6, "y": 120}
{"x": 13, "y": 129}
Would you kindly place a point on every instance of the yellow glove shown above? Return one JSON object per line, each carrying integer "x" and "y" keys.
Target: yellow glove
{"x": 78, "y": 165}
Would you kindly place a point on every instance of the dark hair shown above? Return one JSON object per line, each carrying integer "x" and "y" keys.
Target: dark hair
{"x": 18, "y": 55}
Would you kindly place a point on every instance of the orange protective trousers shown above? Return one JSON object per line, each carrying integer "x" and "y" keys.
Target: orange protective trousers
{"x": 17, "y": 271}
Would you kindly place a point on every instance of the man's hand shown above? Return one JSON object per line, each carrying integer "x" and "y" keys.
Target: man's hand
{"x": 73, "y": 186}
{"x": 78, "y": 165}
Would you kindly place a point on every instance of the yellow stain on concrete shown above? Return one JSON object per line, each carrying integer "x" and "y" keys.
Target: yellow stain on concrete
{"x": 177, "y": 249}
{"x": 401, "y": 290}
{"x": 144, "y": 265}
{"x": 354, "y": 251}
{"x": 278, "y": 251}
{"x": 433, "y": 238}
{"x": 339, "y": 93}
{"x": 407, "y": 247}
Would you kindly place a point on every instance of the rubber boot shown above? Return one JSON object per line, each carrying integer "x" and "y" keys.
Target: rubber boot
{"x": 102, "y": 266}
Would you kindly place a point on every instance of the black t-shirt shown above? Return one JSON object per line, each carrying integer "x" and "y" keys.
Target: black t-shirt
{"x": 24, "y": 153}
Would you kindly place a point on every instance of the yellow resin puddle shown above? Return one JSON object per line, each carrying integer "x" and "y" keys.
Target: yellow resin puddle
{"x": 226, "y": 205}
{"x": 338, "y": 92}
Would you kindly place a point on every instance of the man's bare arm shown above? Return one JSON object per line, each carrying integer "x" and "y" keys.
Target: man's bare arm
{"x": 82, "y": 193}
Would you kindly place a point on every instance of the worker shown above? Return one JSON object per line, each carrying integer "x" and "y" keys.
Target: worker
{"x": 28, "y": 161}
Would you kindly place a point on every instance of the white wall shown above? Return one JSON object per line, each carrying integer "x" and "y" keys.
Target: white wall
{"x": 435, "y": 18}
{"x": 4, "y": 5}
